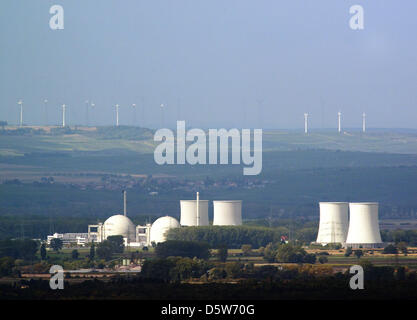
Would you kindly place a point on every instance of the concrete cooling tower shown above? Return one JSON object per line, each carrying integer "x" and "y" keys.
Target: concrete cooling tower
{"x": 364, "y": 226}
{"x": 227, "y": 213}
{"x": 333, "y": 227}
{"x": 189, "y": 215}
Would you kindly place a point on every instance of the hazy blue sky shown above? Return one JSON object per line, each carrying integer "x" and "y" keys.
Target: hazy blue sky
{"x": 218, "y": 58}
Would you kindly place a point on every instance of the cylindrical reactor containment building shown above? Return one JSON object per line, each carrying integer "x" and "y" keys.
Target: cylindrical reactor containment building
{"x": 364, "y": 226}
{"x": 227, "y": 213}
{"x": 334, "y": 224}
{"x": 189, "y": 213}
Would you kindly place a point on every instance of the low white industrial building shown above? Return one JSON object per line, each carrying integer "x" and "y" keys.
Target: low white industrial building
{"x": 79, "y": 239}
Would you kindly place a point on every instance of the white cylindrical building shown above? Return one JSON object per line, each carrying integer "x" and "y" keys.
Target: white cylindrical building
{"x": 333, "y": 227}
{"x": 227, "y": 213}
{"x": 189, "y": 213}
{"x": 161, "y": 226}
{"x": 119, "y": 225}
{"x": 364, "y": 226}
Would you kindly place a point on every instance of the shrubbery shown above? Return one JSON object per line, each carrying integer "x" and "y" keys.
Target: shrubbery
{"x": 189, "y": 249}
{"x": 234, "y": 236}
{"x": 18, "y": 249}
{"x": 287, "y": 253}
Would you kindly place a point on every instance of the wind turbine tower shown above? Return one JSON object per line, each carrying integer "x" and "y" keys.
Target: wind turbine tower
{"x": 305, "y": 123}
{"x": 339, "y": 127}
{"x": 20, "y": 103}
{"x": 63, "y": 115}
{"x": 364, "y": 122}
{"x": 117, "y": 115}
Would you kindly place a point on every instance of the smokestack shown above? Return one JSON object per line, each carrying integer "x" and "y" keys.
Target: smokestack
{"x": 198, "y": 209}
{"x": 305, "y": 123}
{"x": 63, "y": 115}
{"x": 124, "y": 203}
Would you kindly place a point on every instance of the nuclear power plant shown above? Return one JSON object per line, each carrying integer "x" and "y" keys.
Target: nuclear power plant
{"x": 194, "y": 213}
{"x": 353, "y": 225}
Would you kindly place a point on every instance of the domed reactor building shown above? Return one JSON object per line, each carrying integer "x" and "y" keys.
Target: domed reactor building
{"x": 161, "y": 226}
{"x": 134, "y": 236}
{"x": 119, "y": 225}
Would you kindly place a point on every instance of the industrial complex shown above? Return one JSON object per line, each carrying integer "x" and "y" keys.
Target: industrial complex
{"x": 352, "y": 225}
{"x": 193, "y": 213}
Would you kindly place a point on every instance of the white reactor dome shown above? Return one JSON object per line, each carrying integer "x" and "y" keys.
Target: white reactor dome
{"x": 161, "y": 226}
{"x": 364, "y": 226}
{"x": 227, "y": 213}
{"x": 334, "y": 222}
{"x": 119, "y": 225}
{"x": 189, "y": 213}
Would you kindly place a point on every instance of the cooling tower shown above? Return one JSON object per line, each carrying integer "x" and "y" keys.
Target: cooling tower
{"x": 364, "y": 226}
{"x": 227, "y": 213}
{"x": 333, "y": 227}
{"x": 189, "y": 213}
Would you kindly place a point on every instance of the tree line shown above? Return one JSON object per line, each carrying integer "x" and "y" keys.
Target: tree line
{"x": 236, "y": 236}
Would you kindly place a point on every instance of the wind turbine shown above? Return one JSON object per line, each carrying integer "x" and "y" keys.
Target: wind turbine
{"x": 20, "y": 103}
{"x": 45, "y": 101}
{"x": 63, "y": 115}
{"x": 364, "y": 122}
{"x": 339, "y": 127}
{"x": 134, "y": 113}
{"x": 117, "y": 115}
{"x": 305, "y": 123}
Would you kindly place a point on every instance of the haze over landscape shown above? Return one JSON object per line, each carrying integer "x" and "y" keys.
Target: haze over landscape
{"x": 97, "y": 202}
{"x": 212, "y": 63}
